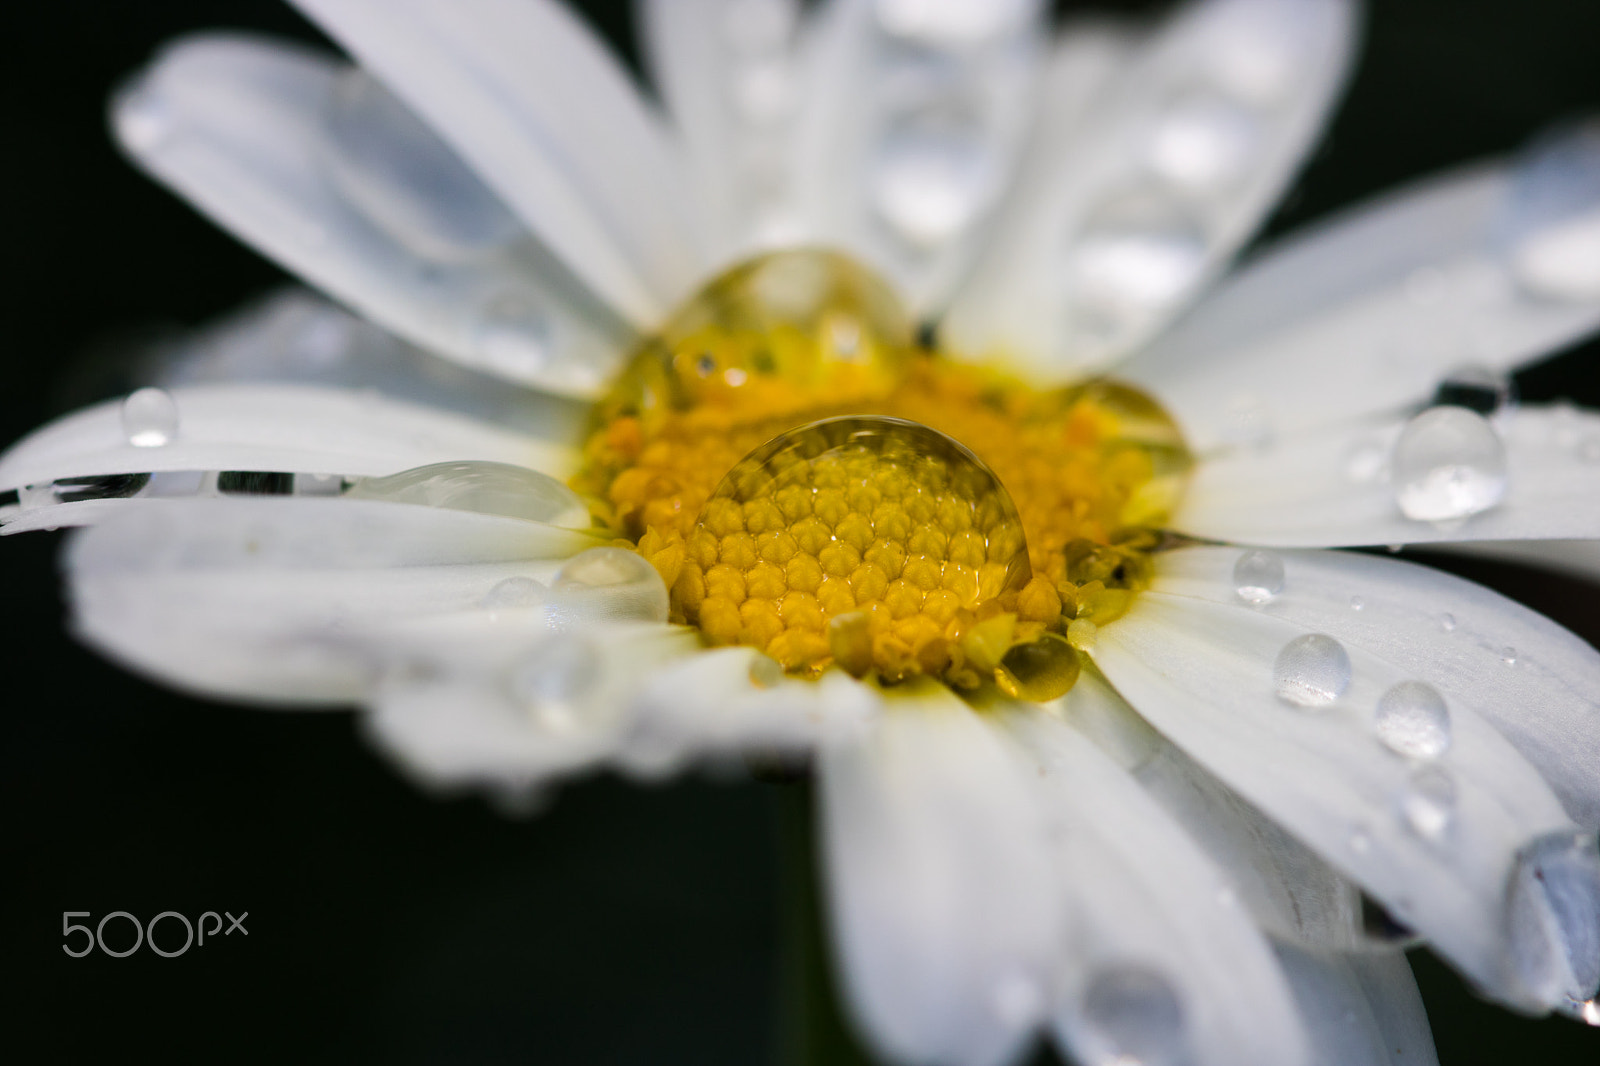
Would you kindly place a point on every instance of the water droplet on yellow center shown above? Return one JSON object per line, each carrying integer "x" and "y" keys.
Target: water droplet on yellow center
{"x": 809, "y": 483}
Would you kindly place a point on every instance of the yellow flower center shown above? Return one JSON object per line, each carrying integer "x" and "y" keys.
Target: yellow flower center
{"x": 811, "y": 482}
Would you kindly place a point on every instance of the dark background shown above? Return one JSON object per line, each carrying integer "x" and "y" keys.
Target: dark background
{"x": 622, "y": 925}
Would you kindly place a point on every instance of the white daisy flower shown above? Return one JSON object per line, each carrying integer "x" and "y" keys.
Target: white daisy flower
{"x": 1109, "y": 747}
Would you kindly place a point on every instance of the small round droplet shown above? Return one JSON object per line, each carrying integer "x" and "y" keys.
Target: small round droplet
{"x": 1428, "y": 804}
{"x": 1357, "y": 603}
{"x": 1508, "y": 655}
{"x": 149, "y": 418}
{"x": 1413, "y": 720}
{"x": 1367, "y": 461}
{"x": 932, "y": 177}
{"x": 1447, "y": 622}
{"x": 1258, "y": 576}
{"x": 1042, "y": 670}
{"x": 1477, "y": 388}
{"x": 1449, "y": 463}
{"x": 512, "y": 337}
{"x": 1082, "y": 634}
{"x": 1360, "y": 840}
{"x": 1311, "y": 671}
{"x": 1553, "y": 917}
{"x": 554, "y": 680}
{"x": 765, "y": 671}
{"x": 1203, "y": 142}
{"x": 515, "y": 592}
{"x": 1133, "y": 1015}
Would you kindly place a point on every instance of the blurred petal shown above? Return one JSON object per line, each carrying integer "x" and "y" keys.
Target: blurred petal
{"x": 941, "y": 884}
{"x": 1434, "y": 842}
{"x": 550, "y": 121}
{"x": 280, "y": 600}
{"x": 1366, "y": 313}
{"x": 1187, "y": 151}
{"x": 1150, "y": 923}
{"x": 913, "y": 117}
{"x": 1362, "y": 1010}
{"x": 1580, "y": 558}
{"x": 1345, "y": 486}
{"x": 1451, "y": 633}
{"x": 315, "y": 164}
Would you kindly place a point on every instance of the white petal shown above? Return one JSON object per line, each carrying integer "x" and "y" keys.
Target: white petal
{"x": 735, "y": 702}
{"x": 1580, "y": 558}
{"x": 1203, "y": 674}
{"x": 549, "y": 120}
{"x": 940, "y": 882}
{"x": 1142, "y": 902}
{"x": 729, "y": 75}
{"x": 479, "y": 699}
{"x": 278, "y": 599}
{"x": 1359, "y": 315}
{"x": 1362, "y": 1010}
{"x": 319, "y": 167}
{"x": 291, "y": 429}
{"x": 1338, "y": 487}
{"x": 1453, "y": 634}
{"x": 1186, "y": 152}
{"x": 295, "y": 337}
{"x": 912, "y": 122}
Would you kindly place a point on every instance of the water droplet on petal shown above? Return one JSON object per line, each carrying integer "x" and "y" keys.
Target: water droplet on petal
{"x": 1428, "y": 803}
{"x": 611, "y": 583}
{"x": 1447, "y": 622}
{"x": 1258, "y": 576}
{"x": 1135, "y": 257}
{"x": 515, "y": 592}
{"x": 1477, "y": 388}
{"x": 1357, "y": 603}
{"x": 1413, "y": 720}
{"x": 1133, "y": 1016}
{"x": 932, "y": 177}
{"x": 1360, "y": 840}
{"x": 765, "y": 671}
{"x": 481, "y": 487}
{"x": 953, "y": 24}
{"x": 1311, "y": 671}
{"x": 1367, "y": 461}
{"x": 1204, "y": 141}
{"x": 149, "y": 418}
{"x": 1551, "y": 218}
{"x": 1449, "y": 463}
{"x": 554, "y": 681}
{"x": 1586, "y": 1011}
{"x": 512, "y": 337}
{"x": 1508, "y": 655}
{"x": 143, "y": 117}
{"x": 1553, "y": 917}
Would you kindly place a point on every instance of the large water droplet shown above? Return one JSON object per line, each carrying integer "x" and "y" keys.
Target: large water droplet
{"x": 1477, "y": 388}
{"x": 954, "y": 24}
{"x": 1449, "y": 463}
{"x": 1204, "y": 141}
{"x": 1553, "y": 917}
{"x": 553, "y": 682}
{"x": 1413, "y": 720}
{"x": 1311, "y": 671}
{"x": 1551, "y": 219}
{"x": 149, "y": 418}
{"x": 1428, "y": 803}
{"x": 933, "y": 175}
{"x": 398, "y": 173}
{"x": 1133, "y": 1016}
{"x": 609, "y": 583}
{"x": 1258, "y": 576}
{"x": 1586, "y": 1011}
{"x": 512, "y": 336}
{"x": 484, "y": 488}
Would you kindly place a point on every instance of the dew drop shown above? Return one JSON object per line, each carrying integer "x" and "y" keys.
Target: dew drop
{"x": 610, "y": 583}
{"x": 1553, "y": 917}
{"x": 1367, "y": 461}
{"x": 1508, "y": 655}
{"x": 765, "y": 671}
{"x": 149, "y": 418}
{"x": 932, "y": 176}
{"x": 1428, "y": 803}
{"x": 1550, "y": 221}
{"x": 1137, "y": 256}
{"x": 1357, "y": 603}
{"x": 515, "y": 592}
{"x": 1247, "y": 422}
{"x": 1360, "y": 840}
{"x": 1134, "y": 1016}
{"x": 1586, "y": 1011}
{"x": 1311, "y": 671}
{"x": 1042, "y": 670}
{"x": 482, "y": 487}
{"x": 1477, "y": 388}
{"x": 1413, "y": 720}
{"x": 1258, "y": 576}
{"x": 1204, "y": 141}
{"x": 143, "y": 117}
{"x": 1447, "y": 622}
{"x": 553, "y": 682}
{"x": 1082, "y": 634}
{"x": 512, "y": 337}
{"x": 1449, "y": 463}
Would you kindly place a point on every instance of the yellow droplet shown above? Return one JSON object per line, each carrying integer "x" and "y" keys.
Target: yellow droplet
{"x": 1044, "y": 669}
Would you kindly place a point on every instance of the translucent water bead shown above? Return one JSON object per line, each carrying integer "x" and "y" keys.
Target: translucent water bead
{"x": 1553, "y": 917}
{"x": 554, "y": 681}
{"x": 149, "y": 418}
{"x": 1133, "y": 1015}
{"x": 607, "y": 584}
{"x": 481, "y": 487}
{"x": 1428, "y": 803}
{"x": 1258, "y": 577}
{"x": 1449, "y": 463}
{"x": 1413, "y": 720}
{"x": 1311, "y": 671}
